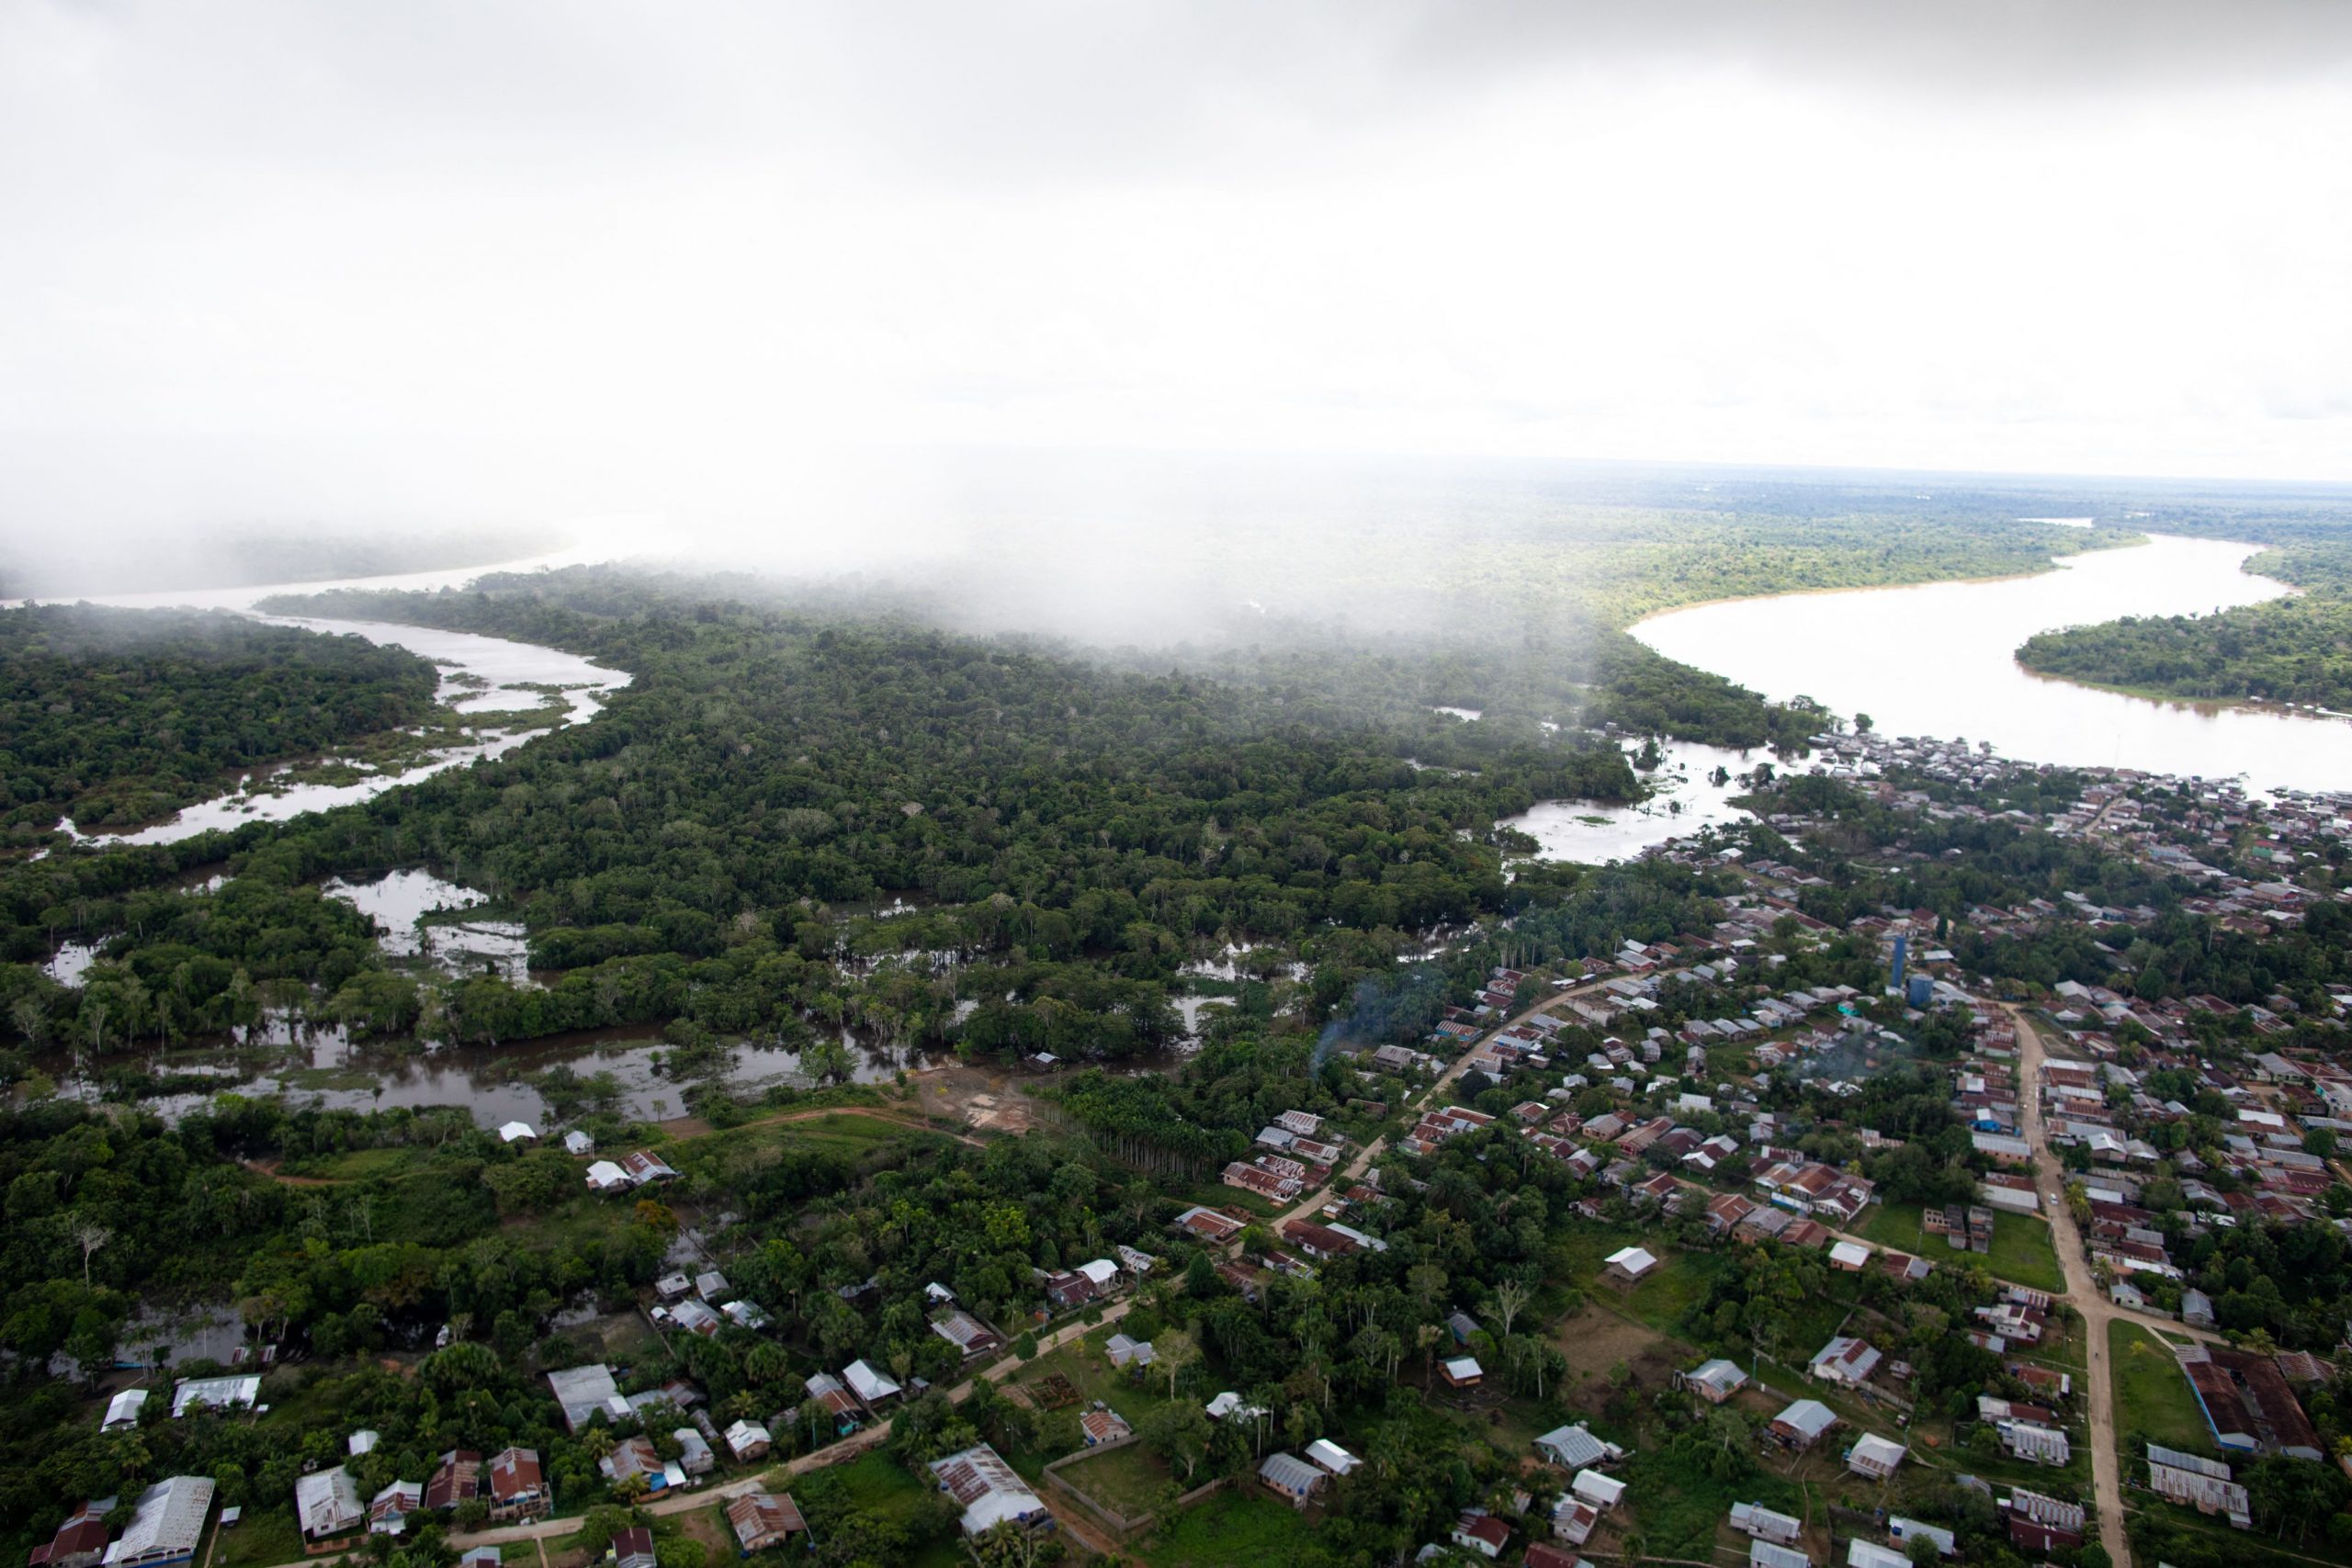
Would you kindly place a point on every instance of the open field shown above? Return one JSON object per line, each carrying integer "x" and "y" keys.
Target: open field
{"x": 2151, "y": 1398}
{"x": 1243, "y": 1523}
{"x": 1128, "y": 1480}
{"x": 2021, "y": 1253}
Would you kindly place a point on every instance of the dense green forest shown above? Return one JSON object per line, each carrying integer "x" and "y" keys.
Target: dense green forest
{"x": 2287, "y": 650}
{"x": 120, "y": 715}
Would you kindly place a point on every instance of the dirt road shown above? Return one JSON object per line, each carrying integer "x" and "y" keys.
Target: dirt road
{"x": 2082, "y": 1292}
{"x": 847, "y": 1448}
{"x": 1312, "y": 1202}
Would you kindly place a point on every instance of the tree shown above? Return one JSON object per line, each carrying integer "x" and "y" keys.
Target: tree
{"x": 1178, "y": 1432}
{"x": 1174, "y": 1350}
{"x": 89, "y": 1235}
{"x": 1509, "y": 1298}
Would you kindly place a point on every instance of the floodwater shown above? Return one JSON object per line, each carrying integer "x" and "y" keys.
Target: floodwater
{"x": 479, "y": 674}
{"x": 1684, "y": 799}
{"x": 1941, "y": 661}
{"x": 398, "y": 901}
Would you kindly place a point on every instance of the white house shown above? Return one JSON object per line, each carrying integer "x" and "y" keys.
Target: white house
{"x": 1601, "y": 1490}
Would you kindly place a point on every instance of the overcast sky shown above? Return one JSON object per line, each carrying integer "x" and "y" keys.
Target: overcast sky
{"x": 438, "y": 260}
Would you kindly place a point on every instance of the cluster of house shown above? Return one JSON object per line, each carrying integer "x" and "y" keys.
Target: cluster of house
{"x": 1291, "y": 1155}
{"x": 703, "y": 1304}
{"x": 332, "y": 1517}
{"x": 1294, "y": 1480}
{"x": 640, "y": 1169}
{"x": 167, "y": 1524}
{"x": 585, "y": 1392}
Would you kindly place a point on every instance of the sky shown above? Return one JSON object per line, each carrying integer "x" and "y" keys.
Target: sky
{"x": 456, "y": 259}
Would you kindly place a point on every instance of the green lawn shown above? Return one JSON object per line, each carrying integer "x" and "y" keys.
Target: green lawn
{"x": 1128, "y": 1480}
{"x": 2021, "y": 1253}
{"x": 1244, "y": 1523}
{"x": 1660, "y": 1300}
{"x": 1083, "y": 1362}
{"x": 262, "y": 1536}
{"x": 2152, "y": 1394}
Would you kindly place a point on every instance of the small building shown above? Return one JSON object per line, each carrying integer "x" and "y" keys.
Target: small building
{"x": 872, "y": 1387}
{"x": 1761, "y": 1523}
{"x": 603, "y": 1176}
{"x": 1876, "y": 1457}
{"x": 79, "y": 1543}
{"x": 1461, "y": 1371}
{"x": 1771, "y": 1554}
{"x": 1715, "y": 1381}
{"x": 239, "y": 1391}
{"x": 1802, "y": 1424}
{"x": 1126, "y": 1353}
{"x": 633, "y": 1548}
{"x": 1573, "y": 1522}
{"x": 457, "y": 1478}
{"x": 122, "y": 1410}
{"x": 1845, "y": 1359}
{"x": 2039, "y": 1444}
{"x": 326, "y": 1503}
{"x": 989, "y": 1491}
{"x": 1103, "y": 1425}
{"x": 748, "y": 1440}
{"x": 1630, "y": 1265}
{"x": 1848, "y": 1256}
{"x": 635, "y": 1457}
{"x": 1907, "y": 1530}
{"x": 1860, "y": 1554}
{"x": 579, "y": 1143}
{"x": 389, "y": 1510}
{"x": 1331, "y": 1457}
{"x": 518, "y": 1488}
{"x": 166, "y": 1525}
{"x": 694, "y": 1451}
{"x": 1572, "y": 1447}
{"x": 1603, "y": 1492}
{"x": 2196, "y": 1309}
{"x": 761, "y": 1520}
{"x": 1479, "y": 1531}
{"x": 966, "y": 1333}
{"x": 1290, "y": 1477}
{"x": 518, "y": 1133}
{"x": 2042, "y": 1524}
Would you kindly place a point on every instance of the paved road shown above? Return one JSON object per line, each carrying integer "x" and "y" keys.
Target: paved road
{"x": 2083, "y": 1291}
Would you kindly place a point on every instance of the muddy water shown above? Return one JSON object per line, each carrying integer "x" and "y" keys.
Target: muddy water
{"x": 479, "y": 674}
{"x": 1941, "y": 661}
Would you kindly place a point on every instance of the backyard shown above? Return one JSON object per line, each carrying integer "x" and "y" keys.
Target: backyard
{"x": 2152, "y": 1396}
{"x": 2021, "y": 1253}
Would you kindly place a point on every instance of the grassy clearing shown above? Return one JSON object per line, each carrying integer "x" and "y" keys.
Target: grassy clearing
{"x": 2021, "y": 1253}
{"x": 263, "y": 1536}
{"x": 2152, "y": 1396}
{"x": 1660, "y": 1300}
{"x": 1242, "y": 1524}
{"x": 1090, "y": 1371}
{"x": 1128, "y": 1480}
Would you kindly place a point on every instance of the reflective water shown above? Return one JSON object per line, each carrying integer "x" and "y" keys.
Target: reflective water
{"x": 1685, "y": 797}
{"x": 1941, "y": 661}
{"x": 479, "y": 674}
{"x": 398, "y": 901}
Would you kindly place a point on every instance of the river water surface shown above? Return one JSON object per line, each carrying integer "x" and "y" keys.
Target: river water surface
{"x": 1940, "y": 659}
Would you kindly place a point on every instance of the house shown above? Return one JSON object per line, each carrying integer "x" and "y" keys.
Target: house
{"x": 1771, "y": 1554}
{"x": 1628, "y": 1264}
{"x": 748, "y": 1440}
{"x": 518, "y": 1488}
{"x": 454, "y": 1480}
{"x": 1874, "y": 1456}
{"x": 1714, "y": 1381}
{"x": 582, "y": 1391}
{"x": 1542, "y": 1555}
{"x": 1761, "y": 1523}
{"x": 2039, "y": 1444}
{"x": 1572, "y": 1521}
{"x": 1104, "y": 1425}
{"x": 1229, "y": 1403}
{"x": 1330, "y": 1456}
{"x": 1211, "y": 1226}
{"x": 763, "y": 1519}
{"x": 966, "y": 1333}
{"x": 1907, "y": 1530}
{"x": 2196, "y": 1309}
{"x": 215, "y": 1393}
{"x": 989, "y": 1491}
{"x": 2040, "y": 1523}
{"x": 1481, "y": 1532}
{"x": 389, "y": 1510}
{"x": 1572, "y": 1448}
{"x": 633, "y": 1547}
{"x": 1461, "y": 1371}
{"x": 696, "y": 1317}
{"x": 1860, "y": 1554}
{"x": 579, "y": 1143}
{"x": 1602, "y": 1492}
{"x": 326, "y": 1502}
{"x": 1070, "y": 1289}
{"x": 710, "y": 1285}
{"x": 122, "y": 1410}
{"x": 635, "y": 1457}
{"x": 1290, "y": 1477}
{"x": 644, "y": 1167}
{"x": 870, "y": 1385}
{"x": 1845, "y": 1359}
{"x": 603, "y": 1176}
{"x": 518, "y": 1133}
{"x": 2203, "y": 1484}
{"x": 694, "y": 1451}
{"x": 834, "y": 1400}
{"x": 1848, "y": 1256}
{"x": 2247, "y": 1401}
{"x": 164, "y": 1526}
{"x": 79, "y": 1542}
{"x": 1802, "y": 1424}
{"x": 1126, "y": 1352}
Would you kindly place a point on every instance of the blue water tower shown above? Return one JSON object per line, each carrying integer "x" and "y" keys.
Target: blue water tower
{"x": 1901, "y": 951}
{"x": 1917, "y": 994}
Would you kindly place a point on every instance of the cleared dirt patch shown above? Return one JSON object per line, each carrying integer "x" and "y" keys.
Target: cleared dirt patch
{"x": 1596, "y": 1339}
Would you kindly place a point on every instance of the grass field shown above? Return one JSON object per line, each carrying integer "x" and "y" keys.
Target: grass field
{"x": 264, "y": 1535}
{"x": 1242, "y": 1524}
{"x": 2021, "y": 1253}
{"x": 1660, "y": 1300}
{"x": 2152, "y": 1396}
{"x": 1128, "y": 1480}
{"x": 1090, "y": 1371}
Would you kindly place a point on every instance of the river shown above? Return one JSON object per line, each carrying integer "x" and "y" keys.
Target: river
{"x": 1940, "y": 660}
{"x": 479, "y": 674}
